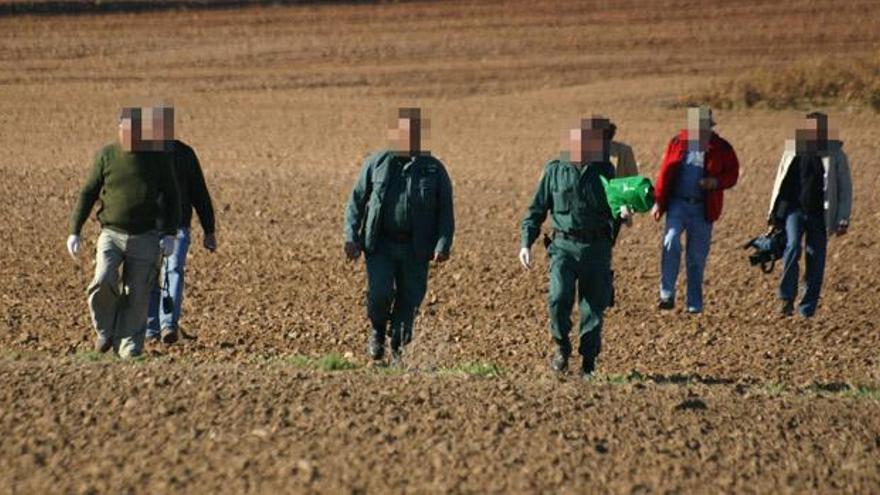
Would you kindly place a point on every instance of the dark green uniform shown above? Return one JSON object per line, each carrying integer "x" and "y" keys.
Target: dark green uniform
{"x": 580, "y": 253}
{"x": 400, "y": 213}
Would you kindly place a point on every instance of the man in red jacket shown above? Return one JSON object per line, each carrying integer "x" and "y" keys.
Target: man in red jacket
{"x": 697, "y": 167}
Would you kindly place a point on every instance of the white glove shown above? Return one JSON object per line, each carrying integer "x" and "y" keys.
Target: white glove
{"x": 626, "y": 215}
{"x": 525, "y": 257}
{"x": 73, "y": 245}
{"x": 168, "y": 244}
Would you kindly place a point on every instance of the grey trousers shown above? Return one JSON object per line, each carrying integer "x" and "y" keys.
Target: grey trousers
{"x": 119, "y": 307}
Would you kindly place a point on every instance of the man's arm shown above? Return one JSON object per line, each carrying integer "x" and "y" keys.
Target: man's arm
{"x": 537, "y": 212}
{"x": 170, "y": 195}
{"x": 88, "y": 195}
{"x": 199, "y": 196}
{"x": 445, "y": 215}
{"x": 357, "y": 203}
{"x": 729, "y": 169}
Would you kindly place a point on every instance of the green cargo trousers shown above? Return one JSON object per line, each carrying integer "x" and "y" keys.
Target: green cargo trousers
{"x": 119, "y": 311}
{"x": 396, "y": 284}
{"x": 585, "y": 268}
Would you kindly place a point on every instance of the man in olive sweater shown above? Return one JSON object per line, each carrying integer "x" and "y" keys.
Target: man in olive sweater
{"x": 166, "y": 300}
{"x": 129, "y": 181}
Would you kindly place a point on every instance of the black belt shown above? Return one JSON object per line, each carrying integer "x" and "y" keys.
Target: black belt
{"x": 584, "y": 236}
{"x": 691, "y": 201}
{"x": 399, "y": 237}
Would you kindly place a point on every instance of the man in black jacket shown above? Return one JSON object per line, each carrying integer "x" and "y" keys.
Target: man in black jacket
{"x": 162, "y": 320}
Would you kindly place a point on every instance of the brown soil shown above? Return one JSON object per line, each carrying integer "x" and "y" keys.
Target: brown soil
{"x": 282, "y": 103}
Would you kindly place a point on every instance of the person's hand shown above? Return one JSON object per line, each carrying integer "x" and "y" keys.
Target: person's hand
{"x": 656, "y": 213}
{"x": 210, "y": 242}
{"x": 441, "y": 257}
{"x": 352, "y": 250}
{"x": 708, "y": 183}
{"x": 525, "y": 257}
{"x": 841, "y": 229}
{"x": 167, "y": 244}
{"x": 626, "y": 216}
{"x": 73, "y": 245}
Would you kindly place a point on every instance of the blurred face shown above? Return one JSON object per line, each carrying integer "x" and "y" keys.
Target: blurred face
{"x": 163, "y": 120}
{"x": 406, "y": 137}
{"x": 699, "y": 126}
{"x": 588, "y": 143}
{"x": 130, "y": 132}
{"x": 812, "y": 136}
{"x": 158, "y": 129}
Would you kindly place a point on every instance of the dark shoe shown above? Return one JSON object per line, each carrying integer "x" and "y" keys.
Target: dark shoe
{"x": 588, "y": 368}
{"x": 397, "y": 358}
{"x": 376, "y": 347}
{"x": 560, "y": 361}
{"x": 691, "y": 310}
{"x": 787, "y": 308}
{"x": 153, "y": 336}
{"x": 103, "y": 344}
{"x": 168, "y": 336}
{"x": 665, "y": 304}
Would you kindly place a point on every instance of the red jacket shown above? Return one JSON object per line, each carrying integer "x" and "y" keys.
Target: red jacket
{"x": 720, "y": 163}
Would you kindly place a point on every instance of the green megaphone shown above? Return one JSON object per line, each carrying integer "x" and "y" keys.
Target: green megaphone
{"x": 636, "y": 193}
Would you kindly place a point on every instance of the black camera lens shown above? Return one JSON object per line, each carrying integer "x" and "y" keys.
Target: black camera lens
{"x": 167, "y": 304}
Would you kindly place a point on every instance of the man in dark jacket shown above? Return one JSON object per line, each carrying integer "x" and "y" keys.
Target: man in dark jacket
{"x": 812, "y": 198}
{"x": 162, "y": 321}
{"x": 697, "y": 167}
{"x": 400, "y": 214}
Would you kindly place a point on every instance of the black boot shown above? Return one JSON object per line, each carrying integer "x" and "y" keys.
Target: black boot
{"x": 588, "y": 368}
{"x": 560, "y": 360}
{"x": 397, "y": 357}
{"x": 787, "y": 308}
{"x": 376, "y": 345}
{"x": 590, "y": 346}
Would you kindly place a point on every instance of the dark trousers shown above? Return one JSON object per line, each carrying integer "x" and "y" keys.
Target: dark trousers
{"x": 811, "y": 226}
{"x": 396, "y": 284}
{"x": 583, "y": 270}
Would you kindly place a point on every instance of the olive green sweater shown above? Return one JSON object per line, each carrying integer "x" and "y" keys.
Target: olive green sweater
{"x": 130, "y": 186}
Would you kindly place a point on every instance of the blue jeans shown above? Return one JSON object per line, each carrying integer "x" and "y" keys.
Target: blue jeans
{"x": 173, "y": 266}
{"x": 797, "y": 224}
{"x": 682, "y": 217}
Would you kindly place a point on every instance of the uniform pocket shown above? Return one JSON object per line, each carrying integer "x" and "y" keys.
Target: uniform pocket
{"x": 562, "y": 201}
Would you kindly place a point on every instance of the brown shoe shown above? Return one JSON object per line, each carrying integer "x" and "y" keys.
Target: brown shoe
{"x": 168, "y": 336}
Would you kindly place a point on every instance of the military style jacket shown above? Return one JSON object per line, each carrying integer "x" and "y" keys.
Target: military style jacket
{"x": 575, "y": 197}
{"x": 429, "y": 201}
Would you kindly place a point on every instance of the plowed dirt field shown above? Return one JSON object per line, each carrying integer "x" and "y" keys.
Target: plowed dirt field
{"x": 282, "y": 103}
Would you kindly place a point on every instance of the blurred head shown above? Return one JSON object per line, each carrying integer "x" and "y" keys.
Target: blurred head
{"x": 406, "y": 132}
{"x": 590, "y": 141}
{"x": 812, "y": 136}
{"x": 699, "y": 126}
{"x": 158, "y": 127}
{"x": 130, "y": 129}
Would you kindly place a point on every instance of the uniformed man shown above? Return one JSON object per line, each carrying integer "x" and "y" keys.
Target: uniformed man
{"x": 580, "y": 250}
{"x": 400, "y": 214}
{"x": 129, "y": 181}
{"x": 166, "y": 299}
